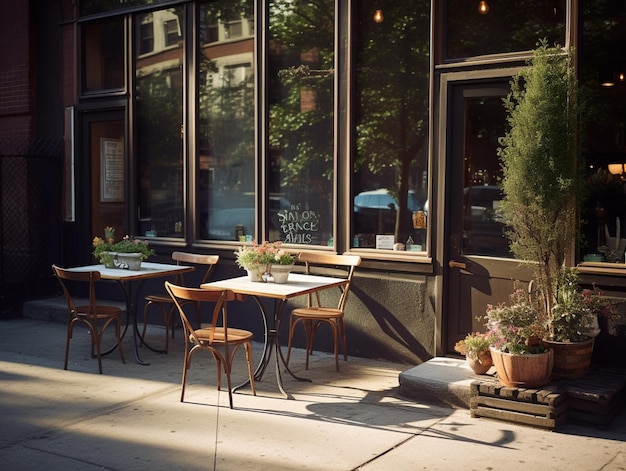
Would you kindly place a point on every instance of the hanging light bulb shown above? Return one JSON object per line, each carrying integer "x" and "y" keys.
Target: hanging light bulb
{"x": 483, "y": 7}
{"x": 378, "y": 16}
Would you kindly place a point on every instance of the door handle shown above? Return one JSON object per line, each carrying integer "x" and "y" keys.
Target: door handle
{"x": 455, "y": 264}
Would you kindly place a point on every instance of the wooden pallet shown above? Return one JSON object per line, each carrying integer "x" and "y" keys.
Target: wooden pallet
{"x": 596, "y": 398}
{"x": 545, "y": 408}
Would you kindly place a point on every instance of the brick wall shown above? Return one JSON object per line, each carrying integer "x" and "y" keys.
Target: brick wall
{"x": 16, "y": 84}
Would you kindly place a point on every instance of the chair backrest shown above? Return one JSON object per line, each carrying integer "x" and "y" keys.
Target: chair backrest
{"x": 340, "y": 266}
{"x": 182, "y": 258}
{"x": 91, "y": 277}
{"x": 220, "y": 298}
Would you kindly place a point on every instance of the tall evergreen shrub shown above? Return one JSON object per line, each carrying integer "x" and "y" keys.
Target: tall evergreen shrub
{"x": 539, "y": 159}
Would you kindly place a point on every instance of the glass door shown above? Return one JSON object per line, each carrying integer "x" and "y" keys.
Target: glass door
{"x": 479, "y": 268}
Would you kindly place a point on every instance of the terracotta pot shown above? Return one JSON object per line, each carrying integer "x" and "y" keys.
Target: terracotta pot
{"x": 482, "y": 365}
{"x": 523, "y": 371}
{"x": 571, "y": 359}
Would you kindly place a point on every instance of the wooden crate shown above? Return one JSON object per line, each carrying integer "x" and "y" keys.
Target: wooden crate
{"x": 545, "y": 408}
{"x": 597, "y": 397}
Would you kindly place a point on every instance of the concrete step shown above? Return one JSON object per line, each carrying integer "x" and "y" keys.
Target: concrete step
{"x": 441, "y": 380}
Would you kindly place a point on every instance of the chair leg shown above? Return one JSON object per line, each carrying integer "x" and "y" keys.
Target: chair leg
{"x": 333, "y": 327}
{"x": 248, "y": 347}
{"x": 309, "y": 330}
{"x": 95, "y": 341}
{"x": 342, "y": 330}
{"x": 68, "y": 337}
{"x": 118, "y": 333}
{"x": 291, "y": 332}
{"x": 186, "y": 363}
{"x": 171, "y": 322}
{"x": 230, "y": 389}
{"x": 166, "y": 318}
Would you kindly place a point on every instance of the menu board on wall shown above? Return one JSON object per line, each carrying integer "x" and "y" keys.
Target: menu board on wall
{"x": 111, "y": 170}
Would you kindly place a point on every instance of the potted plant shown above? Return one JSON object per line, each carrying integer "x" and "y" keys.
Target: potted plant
{"x": 127, "y": 253}
{"x": 573, "y": 325}
{"x": 520, "y": 358}
{"x": 265, "y": 262}
{"x": 475, "y": 347}
{"x": 542, "y": 180}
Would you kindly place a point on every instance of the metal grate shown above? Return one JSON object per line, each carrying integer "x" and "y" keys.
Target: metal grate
{"x": 31, "y": 179}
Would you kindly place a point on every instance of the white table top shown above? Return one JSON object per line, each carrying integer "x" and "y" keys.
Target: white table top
{"x": 147, "y": 270}
{"x": 297, "y": 285}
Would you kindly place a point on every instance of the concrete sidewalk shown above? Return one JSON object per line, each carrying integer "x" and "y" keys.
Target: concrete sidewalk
{"x": 131, "y": 418}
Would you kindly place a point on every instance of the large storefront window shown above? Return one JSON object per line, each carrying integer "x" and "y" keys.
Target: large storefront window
{"x": 390, "y": 188}
{"x": 159, "y": 121}
{"x": 300, "y": 204}
{"x": 499, "y": 26}
{"x": 603, "y": 61}
{"x": 226, "y": 163}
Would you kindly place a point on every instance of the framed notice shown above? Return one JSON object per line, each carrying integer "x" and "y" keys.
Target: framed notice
{"x": 111, "y": 170}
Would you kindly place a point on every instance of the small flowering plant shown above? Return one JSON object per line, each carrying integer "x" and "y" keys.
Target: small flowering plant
{"x": 103, "y": 247}
{"x": 575, "y": 313}
{"x": 474, "y": 346}
{"x": 515, "y": 327}
{"x": 257, "y": 255}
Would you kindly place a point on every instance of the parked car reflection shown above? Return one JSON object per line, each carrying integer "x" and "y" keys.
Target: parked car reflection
{"x": 483, "y": 229}
{"x": 375, "y": 211}
{"x": 222, "y": 222}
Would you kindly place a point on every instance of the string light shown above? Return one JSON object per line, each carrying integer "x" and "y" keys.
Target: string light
{"x": 378, "y": 16}
{"x": 483, "y": 7}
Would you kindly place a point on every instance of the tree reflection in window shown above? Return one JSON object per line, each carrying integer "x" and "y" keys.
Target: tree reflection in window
{"x": 391, "y": 116}
{"x": 301, "y": 126}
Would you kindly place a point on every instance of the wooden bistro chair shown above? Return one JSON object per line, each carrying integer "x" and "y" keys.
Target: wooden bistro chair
{"x": 92, "y": 314}
{"x": 218, "y": 339}
{"x": 315, "y": 314}
{"x": 165, "y": 302}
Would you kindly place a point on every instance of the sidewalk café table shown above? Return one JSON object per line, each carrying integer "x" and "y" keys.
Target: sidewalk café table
{"x": 297, "y": 285}
{"x": 131, "y": 282}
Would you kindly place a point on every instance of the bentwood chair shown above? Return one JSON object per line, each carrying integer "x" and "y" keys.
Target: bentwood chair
{"x": 96, "y": 317}
{"x": 164, "y": 301}
{"x": 316, "y": 314}
{"x": 218, "y": 339}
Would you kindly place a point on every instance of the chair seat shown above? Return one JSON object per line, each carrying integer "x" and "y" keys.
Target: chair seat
{"x": 316, "y": 312}
{"x": 100, "y": 312}
{"x": 234, "y": 335}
